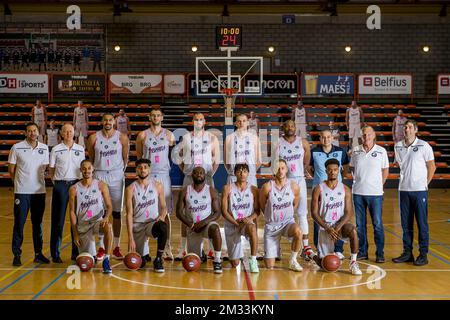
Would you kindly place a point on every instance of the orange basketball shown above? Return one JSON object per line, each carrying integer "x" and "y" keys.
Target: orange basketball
{"x": 85, "y": 261}
{"x": 191, "y": 262}
{"x": 133, "y": 260}
{"x": 331, "y": 263}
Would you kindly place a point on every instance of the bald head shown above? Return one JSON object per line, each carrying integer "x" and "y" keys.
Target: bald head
{"x": 368, "y": 135}
{"x": 67, "y": 133}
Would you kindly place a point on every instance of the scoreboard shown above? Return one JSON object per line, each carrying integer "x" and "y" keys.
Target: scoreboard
{"x": 228, "y": 37}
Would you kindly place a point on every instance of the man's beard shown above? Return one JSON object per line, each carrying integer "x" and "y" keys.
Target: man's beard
{"x": 198, "y": 181}
{"x": 142, "y": 177}
{"x": 289, "y": 133}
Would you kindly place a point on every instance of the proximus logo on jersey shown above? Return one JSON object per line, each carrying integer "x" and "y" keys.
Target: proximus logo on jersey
{"x": 86, "y": 204}
{"x": 334, "y": 205}
{"x": 242, "y": 206}
{"x": 202, "y": 207}
{"x": 145, "y": 204}
{"x": 281, "y": 206}
{"x": 108, "y": 153}
{"x": 292, "y": 158}
{"x": 157, "y": 149}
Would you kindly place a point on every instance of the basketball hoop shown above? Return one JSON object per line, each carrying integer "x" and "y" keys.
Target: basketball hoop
{"x": 229, "y": 97}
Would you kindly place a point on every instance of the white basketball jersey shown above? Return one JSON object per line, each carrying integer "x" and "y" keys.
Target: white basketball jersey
{"x": 241, "y": 202}
{"x": 399, "y": 123}
{"x": 332, "y": 203}
{"x": 354, "y": 115}
{"x": 198, "y": 204}
{"x": 80, "y": 115}
{"x": 199, "y": 153}
{"x": 39, "y": 114}
{"x": 280, "y": 204}
{"x": 293, "y": 153}
{"x": 108, "y": 152}
{"x": 300, "y": 115}
{"x": 52, "y": 137}
{"x": 145, "y": 202}
{"x": 90, "y": 205}
{"x": 253, "y": 124}
{"x": 156, "y": 149}
{"x": 243, "y": 151}
{"x": 122, "y": 124}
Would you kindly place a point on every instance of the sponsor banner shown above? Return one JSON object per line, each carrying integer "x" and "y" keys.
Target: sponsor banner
{"x": 23, "y": 83}
{"x": 443, "y": 84}
{"x": 325, "y": 85}
{"x": 135, "y": 83}
{"x": 273, "y": 84}
{"x": 65, "y": 85}
{"x": 174, "y": 84}
{"x": 384, "y": 84}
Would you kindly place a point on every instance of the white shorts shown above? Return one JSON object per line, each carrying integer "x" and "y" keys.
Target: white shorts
{"x": 195, "y": 240}
{"x": 272, "y": 237}
{"x": 115, "y": 181}
{"x": 81, "y": 128}
{"x": 325, "y": 243}
{"x": 141, "y": 232}
{"x": 251, "y": 179}
{"x": 188, "y": 180}
{"x": 302, "y": 209}
{"x": 164, "y": 179}
{"x": 300, "y": 130}
{"x": 42, "y": 127}
{"x": 354, "y": 130}
{"x": 233, "y": 237}
{"x": 86, "y": 232}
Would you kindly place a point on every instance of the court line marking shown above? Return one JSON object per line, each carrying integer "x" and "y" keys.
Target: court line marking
{"x": 248, "y": 281}
{"x": 30, "y": 261}
{"x": 379, "y": 278}
{"x": 445, "y": 259}
{"x": 48, "y": 285}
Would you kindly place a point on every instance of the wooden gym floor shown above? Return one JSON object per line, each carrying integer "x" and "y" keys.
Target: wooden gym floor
{"x": 379, "y": 281}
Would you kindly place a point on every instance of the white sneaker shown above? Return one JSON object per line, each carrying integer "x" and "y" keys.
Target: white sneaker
{"x": 340, "y": 255}
{"x": 295, "y": 266}
{"x": 167, "y": 255}
{"x": 253, "y": 265}
{"x": 354, "y": 268}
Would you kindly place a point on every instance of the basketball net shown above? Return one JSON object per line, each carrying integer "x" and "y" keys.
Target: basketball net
{"x": 229, "y": 99}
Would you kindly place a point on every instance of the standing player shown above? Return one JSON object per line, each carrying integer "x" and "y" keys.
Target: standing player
{"x": 87, "y": 201}
{"x": 198, "y": 208}
{"x": 154, "y": 144}
{"x": 199, "y": 148}
{"x": 242, "y": 146}
{"x": 81, "y": 123}
{"x": 354, "y": 119}
{"x": 416, "y": 161}
{"x": 279, "y": 198}
{"x": 240, "y": 208}
{"x": 296, "y": 152}
{"x": 331, "y": 208}
{"x": 123, "y": 123}
{"x": 64, "y": 170}
{"x": 109, "y": 149}
{"x": 27, "y": 163}
{"x": 299, "y": 118}
{"x": 39, "y": 116}
{"x": 335, "y": 133}
{"x": 52, "y": 137}
{"x": 253, "y": 123}
{"x": 146, "y": 211}
{"x": 370, "y": 167}
{"x": 398, "y": 133}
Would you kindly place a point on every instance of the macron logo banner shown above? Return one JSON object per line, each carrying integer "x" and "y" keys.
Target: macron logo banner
{"x": 384, "y": 84}
{"x": 443, "y": 84}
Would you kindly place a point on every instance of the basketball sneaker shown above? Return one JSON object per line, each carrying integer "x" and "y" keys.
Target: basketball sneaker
{"x": 106, "y": 266}
{"x": 180, "y": 255}
{"x": 158, "y": 265}
{"x": 306, "y": 253}
{"x": 210, "y": 254}
{"x": 294, "y": 265}
{"x": 167, "y": 255}
{"x": 100, "y": 254}
{"x": 117, "y": 254}
{"x": 354, "y": 268}
{"x": 340, "y": 255}
{"x": 217, "y": 266}
{"x": 253, "y": 265}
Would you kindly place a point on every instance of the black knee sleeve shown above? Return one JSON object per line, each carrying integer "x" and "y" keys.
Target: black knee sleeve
{"x": 159, "y": 231}
{"x": 116, "y": 214}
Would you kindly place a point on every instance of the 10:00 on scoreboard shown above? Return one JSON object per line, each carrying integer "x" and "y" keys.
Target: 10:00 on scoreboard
{"x": 228, "y": 36}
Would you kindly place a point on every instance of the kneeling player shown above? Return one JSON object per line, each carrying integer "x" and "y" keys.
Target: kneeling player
{"x": 280, "y": 198}
{"x": 198, "y": 208}
{"x": 146, "y": 211}
{"x": 240, "y": 208}
{"x": 87, "y": 201}
{"x": 331, "y": 208}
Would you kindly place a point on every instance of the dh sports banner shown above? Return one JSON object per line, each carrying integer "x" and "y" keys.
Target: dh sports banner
{"x": 23, "y": 83}
{"x": 88, "y": 85}
{"x": 327, "y": 85}
{"x": 384, "y": 84}
{"x": 443, "y": 84}
{"x": 135, "y": 83}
